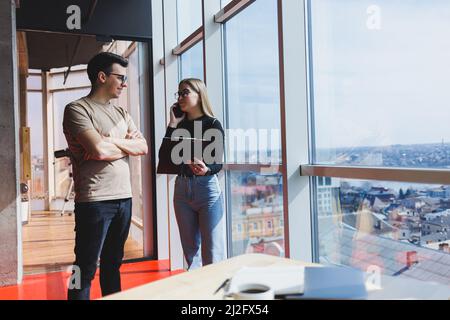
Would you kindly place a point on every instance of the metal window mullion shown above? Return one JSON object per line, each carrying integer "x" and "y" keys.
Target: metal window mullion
{"x": 414, "y": 175}
{"x": 294, "y": 84}
{"x": 253, "y": 167}
{"x": 189, "y": 42}
{"x": 231, "y": 9}
{"x": 213, "y": 77}
{"x": 171, "y": 85}
{"x": 160, "y": 116}
{"x": 69, "y": 89}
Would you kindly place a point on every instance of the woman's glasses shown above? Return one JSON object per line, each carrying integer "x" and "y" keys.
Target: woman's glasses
{"x": 182, "y": 94}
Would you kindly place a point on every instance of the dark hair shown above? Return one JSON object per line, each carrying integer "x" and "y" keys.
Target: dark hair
{"x": 103, "y": 62}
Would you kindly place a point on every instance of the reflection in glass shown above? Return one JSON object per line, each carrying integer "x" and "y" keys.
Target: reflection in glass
{"x": 403, "y": 229}
{"x": 256, "y": 206}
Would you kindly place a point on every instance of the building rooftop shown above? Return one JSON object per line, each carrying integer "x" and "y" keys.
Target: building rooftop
{"x": 341, "y": 244}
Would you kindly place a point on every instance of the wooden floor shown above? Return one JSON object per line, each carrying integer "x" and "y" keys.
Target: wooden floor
{"x": 49, "y": 240}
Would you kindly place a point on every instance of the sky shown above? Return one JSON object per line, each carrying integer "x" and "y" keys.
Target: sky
{"x": 381, "y": 69}
{"x": 372, "y": 86}
{"x": 375, "y": 87}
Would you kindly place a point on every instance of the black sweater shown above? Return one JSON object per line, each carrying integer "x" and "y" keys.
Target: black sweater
{"x": 206, "y": 124}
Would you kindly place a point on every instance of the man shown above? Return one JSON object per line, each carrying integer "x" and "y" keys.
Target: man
{"x": 101, "y": 137}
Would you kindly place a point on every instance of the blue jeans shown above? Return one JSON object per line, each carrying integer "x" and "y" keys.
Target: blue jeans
{"x": 101, "y": 231}
{"x": 198, "y": 203}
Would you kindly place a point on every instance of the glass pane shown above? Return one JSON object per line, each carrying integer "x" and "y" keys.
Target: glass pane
{"x": 34, "y": 82}
{"x": 192, "y": 62}
{"x": 189, "y": 17}
{"x": 380, "y": 82}
{"x": 401, "y": 228}
{"x": 35, "y": 123}
{"x": 256, "y": 205}
{"x": 252, "y": 83}
{"x": 75, "y": 79}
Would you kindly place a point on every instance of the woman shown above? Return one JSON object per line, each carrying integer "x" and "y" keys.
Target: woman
{"x": 198, "y": 200}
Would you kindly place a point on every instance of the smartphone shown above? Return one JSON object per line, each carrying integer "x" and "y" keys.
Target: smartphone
{"x": 177, "y": 111}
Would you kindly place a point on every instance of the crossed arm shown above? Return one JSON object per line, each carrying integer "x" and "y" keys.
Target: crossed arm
{"x": 111, "y": 149}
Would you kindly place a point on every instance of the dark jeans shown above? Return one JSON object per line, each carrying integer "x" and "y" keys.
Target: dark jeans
{"x": 101, "y": 231}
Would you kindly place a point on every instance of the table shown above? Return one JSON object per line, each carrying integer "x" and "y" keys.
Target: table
{"x": 201, "y": 284}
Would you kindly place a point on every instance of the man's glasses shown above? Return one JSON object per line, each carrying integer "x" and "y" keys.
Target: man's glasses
{"x": 182, "y": 94}
{"x": 121, "y": 77}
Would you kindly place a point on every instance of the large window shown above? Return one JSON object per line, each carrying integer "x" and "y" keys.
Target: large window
{"x": 378, "y": 99}
{"x": 252, "y": 106}
{"x": 380, "y": 82}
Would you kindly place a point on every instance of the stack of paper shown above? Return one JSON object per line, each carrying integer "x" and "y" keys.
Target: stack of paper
{"x": 283, "y": 280}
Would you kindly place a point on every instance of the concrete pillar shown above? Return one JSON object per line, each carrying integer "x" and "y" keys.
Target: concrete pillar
{"x": 10, "y": 218}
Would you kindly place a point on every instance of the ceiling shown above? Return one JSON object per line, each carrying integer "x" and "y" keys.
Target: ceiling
{"x": 50, "y": 44}
{"x": 48, "y": 50}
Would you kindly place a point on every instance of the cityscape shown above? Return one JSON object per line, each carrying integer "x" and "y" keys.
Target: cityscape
{"x": 415, "y": 214}
{"x": 418, "y": 214}
{"x": 413, "y": 156}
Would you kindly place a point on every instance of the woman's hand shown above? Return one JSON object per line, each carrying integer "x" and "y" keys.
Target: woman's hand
{"x": 198, "y": 167}
{"x": 174, "y": 121}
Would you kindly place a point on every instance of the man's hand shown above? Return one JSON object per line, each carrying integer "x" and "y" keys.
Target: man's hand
{"x": 98, "y": 148}
{"x": 129, "y": 136}
{"x": 134, "y": 135}
{"x": 133, "y": 143}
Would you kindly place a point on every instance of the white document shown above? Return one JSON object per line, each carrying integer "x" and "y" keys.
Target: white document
{"x": 283, "y": 280}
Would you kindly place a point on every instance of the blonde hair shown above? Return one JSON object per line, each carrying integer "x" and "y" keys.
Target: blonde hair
{"x": 199, "y": 86}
